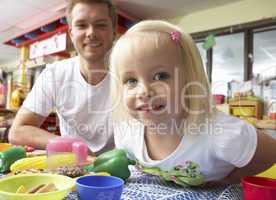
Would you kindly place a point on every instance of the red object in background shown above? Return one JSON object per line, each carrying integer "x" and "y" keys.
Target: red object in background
{"x": 3, "y": 93}
{"x": 56, "y": 27}
{"x": 28, "y": 148}
{"x": 272, "y": 116}
{"x": 219, "y": 98}
{"x": 259, "y": 188}
{"x": 51, "y": 124}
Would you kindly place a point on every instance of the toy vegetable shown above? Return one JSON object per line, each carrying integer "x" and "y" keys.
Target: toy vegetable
{"x": 8, "y": 157}
{"x": 114, "y": 162}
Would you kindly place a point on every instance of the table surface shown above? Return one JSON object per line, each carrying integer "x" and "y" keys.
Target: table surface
{"x": 141, "y": 186}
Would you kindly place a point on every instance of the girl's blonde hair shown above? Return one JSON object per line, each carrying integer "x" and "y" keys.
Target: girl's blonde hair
{"x": 194, "y": 74}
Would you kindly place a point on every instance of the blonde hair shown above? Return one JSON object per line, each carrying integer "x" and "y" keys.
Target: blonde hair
{"x": 192, "y": 63}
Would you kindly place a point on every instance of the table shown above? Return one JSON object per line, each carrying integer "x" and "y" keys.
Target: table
{"x": 141, "y": 186}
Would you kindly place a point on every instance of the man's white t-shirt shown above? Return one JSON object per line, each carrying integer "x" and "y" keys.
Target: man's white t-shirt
{"x": 226, "y": 143}
{"x": 83, "y": 109}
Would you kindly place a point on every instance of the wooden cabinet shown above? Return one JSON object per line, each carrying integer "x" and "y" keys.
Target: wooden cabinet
{"x": 246, "y": 108}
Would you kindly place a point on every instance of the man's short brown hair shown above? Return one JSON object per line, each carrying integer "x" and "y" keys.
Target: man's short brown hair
{"x": 110, "y": 5}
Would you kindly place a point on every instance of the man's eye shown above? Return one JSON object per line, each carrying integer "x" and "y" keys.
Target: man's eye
{"x": 161, "y": 76}
{"x": 132, "y": 82}
{"x": 101, "y": 25}
{"x": 80, "y": 25}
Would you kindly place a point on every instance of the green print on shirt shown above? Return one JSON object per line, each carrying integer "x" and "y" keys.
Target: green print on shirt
{"x": 187, "y": 175}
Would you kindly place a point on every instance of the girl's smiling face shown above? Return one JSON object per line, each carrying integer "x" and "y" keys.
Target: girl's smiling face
{"x": 151, "y": 73}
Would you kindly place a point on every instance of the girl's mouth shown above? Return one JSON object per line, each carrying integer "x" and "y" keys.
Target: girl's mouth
{"x": 148, "y": 108}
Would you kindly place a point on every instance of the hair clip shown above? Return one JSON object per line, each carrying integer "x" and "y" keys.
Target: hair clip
{"x": 176, "y": 36}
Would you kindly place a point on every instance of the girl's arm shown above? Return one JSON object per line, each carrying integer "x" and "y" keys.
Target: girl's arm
{"x": 264, "y": 157}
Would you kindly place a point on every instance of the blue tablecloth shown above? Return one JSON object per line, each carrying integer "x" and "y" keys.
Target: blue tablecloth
{"x": 142, "y": 186}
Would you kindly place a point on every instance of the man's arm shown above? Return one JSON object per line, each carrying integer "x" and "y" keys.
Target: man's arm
{"x": 25, "y": 130}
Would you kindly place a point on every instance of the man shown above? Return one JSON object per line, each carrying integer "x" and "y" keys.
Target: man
{"x": 77, "y": 88}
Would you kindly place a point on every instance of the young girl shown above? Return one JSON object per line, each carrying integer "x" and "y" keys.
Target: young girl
{"x": 163, "y": 111}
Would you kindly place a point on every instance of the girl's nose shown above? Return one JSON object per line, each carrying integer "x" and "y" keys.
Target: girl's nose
{"x": 145, "y": 93}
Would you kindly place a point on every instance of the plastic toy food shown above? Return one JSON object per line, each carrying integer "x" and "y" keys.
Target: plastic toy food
{"x": 114, "y": 162}
{"x": 43, "y": 188}
{"x": 9, "y": 156}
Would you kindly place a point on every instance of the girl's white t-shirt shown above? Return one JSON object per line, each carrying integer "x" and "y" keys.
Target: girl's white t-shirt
{"x": 227, "y": 142}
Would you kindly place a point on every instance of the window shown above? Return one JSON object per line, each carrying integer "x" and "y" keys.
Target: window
{"x": 264, "y": 62}
{"x": 230, "y": 58}
{"x": 228, "y": 61}
{"x": 203, "y": 54}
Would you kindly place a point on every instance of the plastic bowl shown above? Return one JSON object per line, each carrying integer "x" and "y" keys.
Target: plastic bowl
{"x": 9, "y": 185}
{"x": 99, "y": 187}
{"x": 259, "y": 188}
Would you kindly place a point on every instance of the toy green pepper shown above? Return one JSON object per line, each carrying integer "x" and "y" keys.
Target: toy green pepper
{"x": 9, "y": 156}
{"x": 114, "y": 162}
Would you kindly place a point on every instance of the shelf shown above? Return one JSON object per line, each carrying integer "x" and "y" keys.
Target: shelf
{"x": 246, "y": 108}
{"x": 55, "y": 27}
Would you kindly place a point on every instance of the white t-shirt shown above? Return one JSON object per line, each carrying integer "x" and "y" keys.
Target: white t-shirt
{"x": 83, "y": 109}
{"x": 230, "y": 143}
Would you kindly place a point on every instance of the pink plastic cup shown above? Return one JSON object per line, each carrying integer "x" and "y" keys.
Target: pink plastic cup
{"x": 68, "y": 145}
{"x": 61, "y": 144}
{"x": 80, "y": 150}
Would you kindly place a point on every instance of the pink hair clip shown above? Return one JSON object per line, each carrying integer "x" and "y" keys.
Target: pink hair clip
{"x": 176, "y": 36}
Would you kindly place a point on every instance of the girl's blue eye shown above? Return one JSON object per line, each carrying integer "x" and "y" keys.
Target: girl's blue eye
{"x": 132, "y": 82}
{"x": 161, "y": 76}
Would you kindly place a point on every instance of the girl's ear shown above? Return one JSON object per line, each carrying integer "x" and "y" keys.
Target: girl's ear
{"x": 114, "y": 35}
{"x": 70, "y": 32}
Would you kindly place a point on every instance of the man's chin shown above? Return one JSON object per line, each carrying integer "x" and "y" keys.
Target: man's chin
{"x": 93, "y": 58}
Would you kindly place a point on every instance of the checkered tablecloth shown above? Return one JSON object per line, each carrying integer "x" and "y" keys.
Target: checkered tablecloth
{"x": 142, "y": 186}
